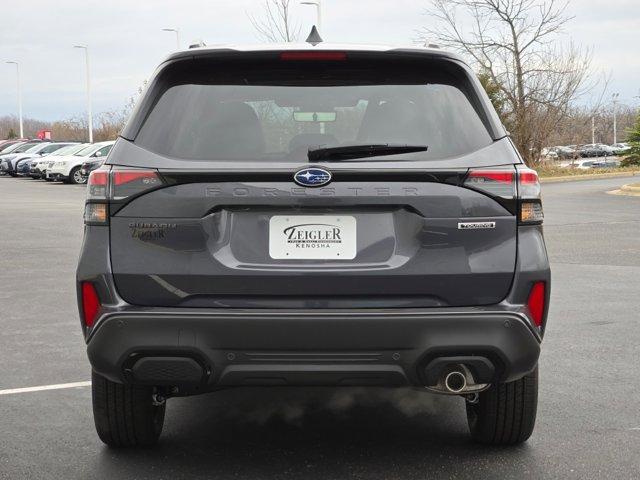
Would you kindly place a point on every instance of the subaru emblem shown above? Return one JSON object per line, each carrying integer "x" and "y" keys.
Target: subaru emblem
{"x": 312, "y": 177}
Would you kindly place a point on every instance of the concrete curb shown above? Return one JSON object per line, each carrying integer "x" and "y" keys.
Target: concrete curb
{"x": 631, "y": 190}
{"x": 594, "y": 176}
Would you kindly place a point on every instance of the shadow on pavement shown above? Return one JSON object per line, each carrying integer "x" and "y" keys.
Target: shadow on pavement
{"x": 309, "y": 433}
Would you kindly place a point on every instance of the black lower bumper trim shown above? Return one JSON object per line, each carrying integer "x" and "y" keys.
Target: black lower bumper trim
{"x": 313, "y": 348}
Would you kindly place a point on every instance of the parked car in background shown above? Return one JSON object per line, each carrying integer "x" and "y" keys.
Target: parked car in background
{"x": 40, "y": 166}
{"x": 595, "y": 150}
{"x": 7, "y": 149}
{"x": 549, "y": 153}
{"x": 560, "y": 153}
{"x": 583, "y": 164}
{"x": 5, "y": 145}
{"x": 621, "y": 148}
{"x": 606, "y": 164}
{"x": 8, "y": 161}
{"x": 566, "y": 153}
{"x": 67, "y": 169}
{"x": 23, "y": 162}
{"x": 90, "y": 165}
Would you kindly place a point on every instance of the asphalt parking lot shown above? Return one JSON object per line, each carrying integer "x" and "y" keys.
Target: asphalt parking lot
{"x": 588, "y": 418}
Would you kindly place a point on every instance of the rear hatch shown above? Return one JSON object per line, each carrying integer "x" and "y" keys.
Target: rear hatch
{"x": 336, "y": 181}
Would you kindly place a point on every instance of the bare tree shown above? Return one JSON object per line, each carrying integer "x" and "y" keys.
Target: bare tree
{"x": 515, "y": 44}
{"x": 275, "y": 23}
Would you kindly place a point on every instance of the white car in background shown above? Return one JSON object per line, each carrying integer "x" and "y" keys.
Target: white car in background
{"x": 583, "y": 164}
{"x": 67, "y": 169}
{"x": 24, "y": 160}
{"x": 40, "y": 166}
{"x": 621, "y": 148}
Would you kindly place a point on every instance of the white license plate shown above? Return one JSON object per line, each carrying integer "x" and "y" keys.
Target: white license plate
{"x": 305, "y": 237}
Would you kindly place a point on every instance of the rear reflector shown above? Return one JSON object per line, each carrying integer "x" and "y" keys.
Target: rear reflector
{"x": 90, "y": 303}
{"x": 536, "y": 303}
{"x": 314, "y": 56}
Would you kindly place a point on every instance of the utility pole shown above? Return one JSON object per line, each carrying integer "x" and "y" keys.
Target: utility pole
{"x": 593, "y": 130}
{"x": 177, "y": 32}
{"x": 89, "y": 107}
{"x": 615, "y": 117}
{"x": 19, "y": 97}
{"x": 318, "y": 4}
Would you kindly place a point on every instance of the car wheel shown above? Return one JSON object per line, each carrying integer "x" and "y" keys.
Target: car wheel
{"x": 76, "y": 177}
{"x": 125, "y": 415}
{"x": 506, "y": 413}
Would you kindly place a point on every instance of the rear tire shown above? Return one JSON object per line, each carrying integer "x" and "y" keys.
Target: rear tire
{"x": 506, "y": 413}
{"x": 125, "y": 415}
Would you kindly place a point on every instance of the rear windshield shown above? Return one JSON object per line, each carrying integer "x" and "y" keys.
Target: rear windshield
{"x": 280, "y": 110}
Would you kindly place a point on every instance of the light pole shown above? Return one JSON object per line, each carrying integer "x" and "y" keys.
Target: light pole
{"x": 89, "y": 109}
{"x": 19, "y": 97}
{"x": 615, "y": 97}
{"x": 593, "y": 130}
{"x": 318, "y": 4}
{"x": 177, "y": 32}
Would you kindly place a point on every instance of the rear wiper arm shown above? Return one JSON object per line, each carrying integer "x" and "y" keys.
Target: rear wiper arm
{"x": 362, "y": 151}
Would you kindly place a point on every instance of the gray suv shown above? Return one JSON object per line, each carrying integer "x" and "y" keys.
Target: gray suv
{"x": 313, "y": 215}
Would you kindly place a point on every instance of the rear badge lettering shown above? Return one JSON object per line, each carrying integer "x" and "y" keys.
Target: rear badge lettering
{"x": 150, "y": 231}
{"x": 476, "y": 225}
{"x": 313, "y": 236}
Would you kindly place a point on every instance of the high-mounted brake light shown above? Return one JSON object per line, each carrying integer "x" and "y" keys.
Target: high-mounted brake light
{"x": 321, "y": 56}
{"x": 536, "y": 303}
{"x": 90, "y": 303}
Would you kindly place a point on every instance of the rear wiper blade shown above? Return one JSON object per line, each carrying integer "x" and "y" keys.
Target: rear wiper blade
{"x": 362, "y": 151}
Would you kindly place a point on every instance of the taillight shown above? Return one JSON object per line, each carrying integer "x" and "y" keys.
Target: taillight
{"x": 98, "y": 184}
{"x": 95, "y": 209}
{"x": 530, "y": 204}
{"x": 536, "y": 303}
{"x": 115, "y": 184}
{"x": 125, "y": 183}
{"x": 498, "y": 182}
{"x": 90, "y": 303}
{"x": 507, "y": 184}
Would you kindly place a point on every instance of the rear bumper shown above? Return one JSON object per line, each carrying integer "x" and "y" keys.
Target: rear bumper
{"x": 204, "y": 350}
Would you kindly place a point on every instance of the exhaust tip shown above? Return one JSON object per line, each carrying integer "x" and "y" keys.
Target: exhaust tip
{"x": 455, "y": 381}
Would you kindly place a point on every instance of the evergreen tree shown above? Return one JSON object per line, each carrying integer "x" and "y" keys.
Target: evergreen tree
{"x": 633, "y": 137}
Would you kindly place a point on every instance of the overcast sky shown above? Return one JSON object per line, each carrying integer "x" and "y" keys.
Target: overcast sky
{"x": 127, "y": 43}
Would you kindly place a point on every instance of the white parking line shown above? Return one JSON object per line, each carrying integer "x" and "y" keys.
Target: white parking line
{"x": 41, "y": 388}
